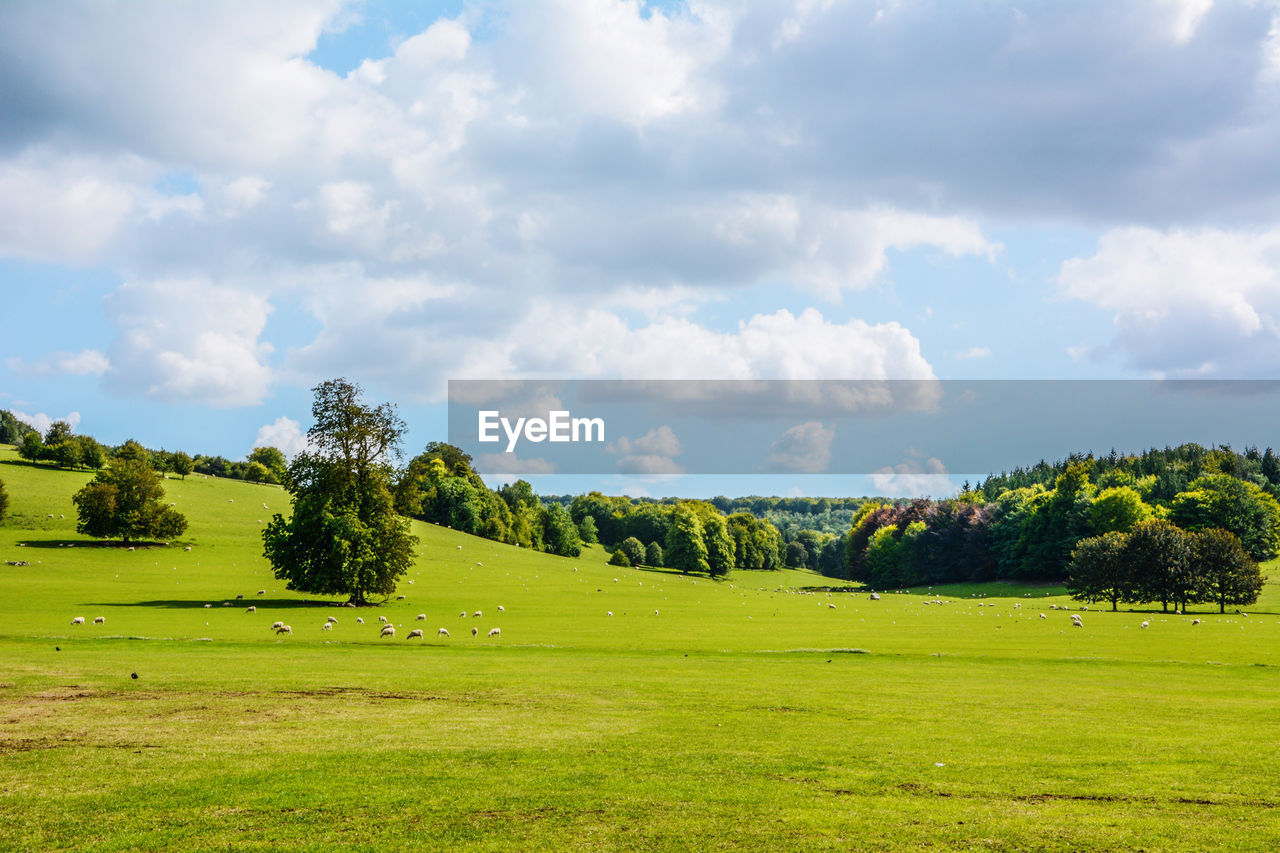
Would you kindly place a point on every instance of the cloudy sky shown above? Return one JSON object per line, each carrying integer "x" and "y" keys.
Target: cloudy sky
{"x": 206, "y": 208}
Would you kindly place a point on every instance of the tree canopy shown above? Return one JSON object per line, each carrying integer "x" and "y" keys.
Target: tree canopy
{"x": 124, "y": 501}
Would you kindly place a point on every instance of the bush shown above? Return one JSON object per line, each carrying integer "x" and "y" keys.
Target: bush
{"x": 619, "y": 558}
{"x": 634, "y": 549}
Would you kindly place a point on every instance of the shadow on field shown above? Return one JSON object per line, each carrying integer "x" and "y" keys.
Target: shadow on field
{"x": 198, "y": 604}
{"x": 93, "y": 543}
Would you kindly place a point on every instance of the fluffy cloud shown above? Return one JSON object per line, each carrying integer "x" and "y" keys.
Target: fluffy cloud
{"x": 1186, "y": 303}
{"x": 913, "y": 479}
{"x": 42, "y": 422}
{"x": 285, "y": 434}
{"x": 188, "y": 340}
{"x": 651, "y": 453}
{"x": 805, "y": 448}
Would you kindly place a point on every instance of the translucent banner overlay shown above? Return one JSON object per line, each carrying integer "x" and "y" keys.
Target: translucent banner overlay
{"x": 969, "y": 427}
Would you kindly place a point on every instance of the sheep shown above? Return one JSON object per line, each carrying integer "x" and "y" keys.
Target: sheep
{"x": 79, "y": 620}
{"x": 421, "y": 617}
{"x": 459, "y": 547}
{"x": 1042, "y": 616}
{"x": 655, "y": 613}
{"x": 238, "y": 597}
{"x": 399, "y": 598}
{"x": 1195, "y": 621}
{"x": 501, "y": 609}
{"x": 226, "y": 604}
{"x": 188, "y": 548}
{"x": 359, "y": 620}
{"x": 99, "y": 620}
{"x": 443, "y": 632}
{"x": 208, "y": 605}
{"x": 416, "y": 632}
{"x": 475, "y": 631}
{"x": 285, "y": 629}
{"x": 332, "y": 619}
{"x": 328, "y": 626}
{"x": 833, "y": 607}
{"x": 388, "y": 631}
{"x": 1145, "y": 624}
{"x": 610, "y": 612}
{"x": 495, "y": 632}
{"x": 251, "y": 609}
{"x": 382, "y": 619}
{"x": 875, "y": 596}
{"x": 275, "y": 626}
{"x": 1077, "y": 621}
{"x": 478, "y": 614}
{"x": 462, "y": 615}
{"x": 262, "y": 592}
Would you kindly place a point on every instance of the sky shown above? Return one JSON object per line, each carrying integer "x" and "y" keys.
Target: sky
{"x": 206, "y": 208}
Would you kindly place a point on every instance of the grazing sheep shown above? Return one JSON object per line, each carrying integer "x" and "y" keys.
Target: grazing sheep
{"x": 99, "y": 620}
{"x": 1145, "y": 624}
{"x": 655, "y": 613}
{"x": 875, "y": 596}
{"x": 462, "y": 615}
{"x": 284, "y": 629}
{"x": 1042, "y": 616}
{"x": 388, "y": 631}
{"x": 359, "y": 620}
{"x": 332, "y": 619}
{"x": 421, "y": 617}
{"x": 416, "y": 632}
{"x": 833, "y": 607}
{"x": 188, "y": 548}
{"x": 79, "y": 620}
{"x": 495, "y": 632}
{"x": 475, "y": 631}
{"x": 399, "y": 598}
{"x": 459, "y": 547}
{"x": 443, "y": 632}
{"x": 328, "y": 626}
{"x": 262, "y": 592}
{"x": 208, "y": 605}
{"x": 1195, "y": 621}
{"x": 501, "y": 609}
{"x": 238, "y": 597}
{"x": 251, "y": 609}
{"x": 1077, "y": 621}
{"x": 382, "y": 619}
{"x": 275, "y": 626}
{"x": 477, "y": 615}
{"x": 610, "y": 612}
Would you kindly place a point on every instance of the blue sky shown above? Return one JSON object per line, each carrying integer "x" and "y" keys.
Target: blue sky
{"x": 205, "y": 209}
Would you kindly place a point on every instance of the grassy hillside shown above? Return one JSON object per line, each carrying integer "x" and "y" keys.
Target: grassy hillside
{"x": 744, "y": 713}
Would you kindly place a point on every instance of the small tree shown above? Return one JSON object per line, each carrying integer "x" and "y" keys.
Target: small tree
{"x": 92, "y": 454}
{"x": 58, "y": 432}
{"x": 273, "y": 460}
{"x": 653, "y": 555}
{"x": 1158, "y": 555}
{"x": 587, "y": 530}
{"x": 719, "y": 545}
{"x": 1228, "y": 574}
{"x": 256, "y": 472}
{"x": 559, "y": 533}
{"x": 66, "y": 453}
{"x": 1099, "y": 570}
{"x": 31, "y": 448}
{"x": 619, "y": 558}
{"x": 4, "y": 500}
{"x": 124, "y": 501}
{"x": 634, "y": 549}
{"x": 183, "y": 464}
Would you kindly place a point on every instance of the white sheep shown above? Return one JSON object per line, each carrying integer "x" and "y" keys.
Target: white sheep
{"x": 610, "y": 612}
{"x": 99, "y": 620}
{"x": 501, "y": 609}
{"x": 875, "y": 596}
{"x": 275, "y": 626}
{"x": 475, "y": 631}
{"x": 208, "y": 605}
{"x": 79, "y": 620}
{"x": 328, "y": 626}
{"x": 399, "y": 598}
{"x": 421, "y": 617}
{"x": 382, "y": 619}
{"x": 1195, "y": 621}
{"x": 477, "y": 615}
{"x": 388, "y": 631}
{"x": 459, "y": 547}
{"x": 495, "y": 632}
{"x": 238, "y": 597}
{"x": 1145, "y": 624}
{"x": 251, "y": 609}
{"x": 359, "y": 620}
{"x": 833, "y": 607}
{"x": 416, "y": 632}
{"x": 443, "y": 632}
{"x": 1042, "y": 616}
{"x": 462, "y": 615}
{"x": 284, "y": 629}
{"x": 332, "y": 619}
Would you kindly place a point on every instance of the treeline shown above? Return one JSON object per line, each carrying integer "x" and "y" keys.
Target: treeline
{"x": 1031, "y": 532}
{"x": 1160, "y": 474}
{"x": 61, "y": 447}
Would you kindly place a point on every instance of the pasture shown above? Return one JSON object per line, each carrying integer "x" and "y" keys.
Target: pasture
{"x": 758, "y": 712}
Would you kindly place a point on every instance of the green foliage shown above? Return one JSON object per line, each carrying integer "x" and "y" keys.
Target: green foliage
{"x": 619, "y": 558}
{"x": 685, "y": 549}
{"x": 131, "y": 450}
{"x": 65, "y": 453}
{"x": 559, "y": 533}
{"x": 757, "y": 544}
{"x": 719, "y": 544}
{"x": 1101, "y": 571}
{"x": 92, "y": 454}
{"x": 1117, "y": 508}
{"x": 4, "y": 500}
{"x": 58, "y": 432}
{"x": 32, "y": 447}
{"x": 1227, "y": 573}
{"x": 273, "y": 460}
{"x": 634, "y": 549}
{"x": 1159, "y": 557}
{"x": 653, "y": 555}
{"x": 587, "y": 530}
{"x": 124, "y": 501}
{"x": 183, "y": 464}
{"x": 259, "y": 473}
{"x": 1220, "y": 500}
{"x": 12, "y": 430}
{"x": 344, "y": 536}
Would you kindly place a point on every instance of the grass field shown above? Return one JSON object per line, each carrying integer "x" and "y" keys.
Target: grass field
{"x": 742, "y": 714}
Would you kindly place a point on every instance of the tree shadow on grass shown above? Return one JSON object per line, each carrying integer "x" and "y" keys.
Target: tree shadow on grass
{"x": 107, "y": 544}
{"x": 199, "y": 603}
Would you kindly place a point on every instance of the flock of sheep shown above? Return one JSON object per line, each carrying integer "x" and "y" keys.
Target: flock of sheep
{"x": 387, "y": 629}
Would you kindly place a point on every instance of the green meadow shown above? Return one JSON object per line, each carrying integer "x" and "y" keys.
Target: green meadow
{"x": 619, "y": 709}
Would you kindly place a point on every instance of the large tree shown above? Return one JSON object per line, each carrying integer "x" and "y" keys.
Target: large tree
{"x": 344, "y": 536}
{"x": 1227, "y": 573}
{"x": 685, "y": 549}
{"x": 1158, "y": 555}
{"x": 1220, "y": 500}
{"x": 125, "y": 501}
{"x": 1100, "y": 570}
